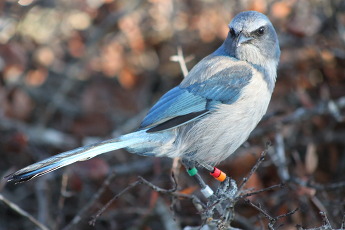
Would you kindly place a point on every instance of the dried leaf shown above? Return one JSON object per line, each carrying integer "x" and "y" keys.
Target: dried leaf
{"x": 189, "y": 190}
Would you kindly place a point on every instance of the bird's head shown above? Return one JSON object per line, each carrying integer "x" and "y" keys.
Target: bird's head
{"x": 252, "y": 38}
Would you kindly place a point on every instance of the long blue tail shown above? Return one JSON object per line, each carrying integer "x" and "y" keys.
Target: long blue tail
{"x": 79, "y": 154}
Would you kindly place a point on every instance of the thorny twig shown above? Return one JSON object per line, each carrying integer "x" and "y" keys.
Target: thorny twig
{"x": 140, "y": 167}
{"x": 326, "y": 224}
{"x": 272, "y": 220}
{"x": 88, "y": 206}
{"x": 311, "y": 184}
{"x": 100, "y": 212}
{"x": 141, "y": 180}
{"x": 222, "y": 197}
{"x": 325, "y": 220}
{"x": 261, "y": 190}
{"x": 228, "y": 194}
{"x": 255, "y": 167}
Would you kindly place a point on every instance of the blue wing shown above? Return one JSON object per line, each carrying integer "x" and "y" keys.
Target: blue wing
{"x": 223, "y": 86}
{"x": 184, "y": 104}
{"x": 176, "y": 102}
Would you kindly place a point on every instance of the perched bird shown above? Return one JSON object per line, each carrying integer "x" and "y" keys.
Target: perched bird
{"x": 210, "y": 114}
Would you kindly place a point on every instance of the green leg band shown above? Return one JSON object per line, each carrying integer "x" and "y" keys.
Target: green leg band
{"x": 192, "y": 171}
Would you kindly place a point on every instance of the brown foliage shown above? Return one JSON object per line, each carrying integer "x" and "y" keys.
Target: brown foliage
{"x": 73, "y": 72}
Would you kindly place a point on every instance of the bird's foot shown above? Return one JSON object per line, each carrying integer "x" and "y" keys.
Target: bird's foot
{"x": 223, "y": 199}
{"x": 225, "y": 193}
{"x": 226, "y": 190}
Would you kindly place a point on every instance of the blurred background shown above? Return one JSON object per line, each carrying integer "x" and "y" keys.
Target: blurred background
{"x": 76, "y": 72}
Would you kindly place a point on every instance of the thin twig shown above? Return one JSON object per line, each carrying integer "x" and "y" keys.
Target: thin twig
{"x": 171, "y": 191}
{"x": 279, "y": 157}
{"x": 181, "y": 60}
{"x": 175, "y": 167}
{"x": 311, "y": 184}
{"x": 141, "y": 180}
{"x": 101, "y": 211}
{"x": 272, "y": 220}
{"x": 77, "y": 218}
{"x": 23, "y": 213}
{"x": 140, "y": 167}
{"x": 325, "y": 220}
{"x": 255, "y": 167}
{"x": 61, "y": 202}
{"x": 326, "y": 224}
{"x": 43, "y": 194}
{"x": 261, "y": 190}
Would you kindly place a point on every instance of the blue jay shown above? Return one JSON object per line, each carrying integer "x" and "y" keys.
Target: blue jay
{"x": 210, "y": 114}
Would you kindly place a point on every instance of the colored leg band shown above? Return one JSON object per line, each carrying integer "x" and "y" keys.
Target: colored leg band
{"x": 218, "y": 174}
{"x": 221, "y": 177}
{"x": 192, "y": 171}
{"x": 207, "y": 191}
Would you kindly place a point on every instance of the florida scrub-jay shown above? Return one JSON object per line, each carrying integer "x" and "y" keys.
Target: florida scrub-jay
{"x": 210, "y": 114}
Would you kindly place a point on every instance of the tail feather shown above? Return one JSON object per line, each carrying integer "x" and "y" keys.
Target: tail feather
{"x": 79, "y": 154}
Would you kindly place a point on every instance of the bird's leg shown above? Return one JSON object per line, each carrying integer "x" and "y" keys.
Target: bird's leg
{"x": 193, "y": 172}
{"x": 215, "y": 172}
{"x": 225, "y": 193}
{"x": 215, "y": 200}
{"x": 224, "y": 199}
{"x": 227, "y": 185}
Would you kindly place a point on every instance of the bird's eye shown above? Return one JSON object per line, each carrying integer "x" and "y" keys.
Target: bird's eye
{"x": 260, "y": 31}
{"x": 232, "y": 32}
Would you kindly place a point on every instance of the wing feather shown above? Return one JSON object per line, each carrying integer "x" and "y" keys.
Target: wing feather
{"x": 193, "y": 99}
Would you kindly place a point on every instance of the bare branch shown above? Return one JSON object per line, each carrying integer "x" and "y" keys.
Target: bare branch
{"x": 255, "y": 167}
{"x": 180, "y": 59}
{"x": 272, "y": 220}
{"x": 61, "y": 202}
{"x": 279, "y": 158}
{"x": 82, "y": 213}
{"x": 141, "y": 180}
{"x": 325, "y": 220}
{"x": 23, "y": 213}
{"x": 101, "y": 211}
{"x": 320, "y": 187}
{"x": 261, "y": 190}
